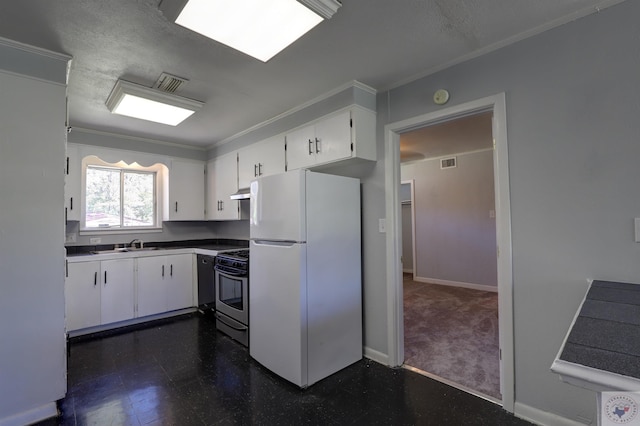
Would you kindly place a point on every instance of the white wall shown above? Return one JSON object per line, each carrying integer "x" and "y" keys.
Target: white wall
{"x": 455, "y": 235}
{"x": 32, "y": 153}
{"x": 572, "y": 119}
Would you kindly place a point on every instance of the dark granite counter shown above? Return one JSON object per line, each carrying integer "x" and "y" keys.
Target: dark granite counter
{"x": 602, "y": 346}
{"x": 209, "y": 244}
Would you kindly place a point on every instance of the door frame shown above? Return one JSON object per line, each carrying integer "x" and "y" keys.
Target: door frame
{"x": 395, "y": 325}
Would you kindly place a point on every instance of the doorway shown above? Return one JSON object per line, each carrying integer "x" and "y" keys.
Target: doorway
{"x": 448, "y": 225}
{"x": 395, "y": 317}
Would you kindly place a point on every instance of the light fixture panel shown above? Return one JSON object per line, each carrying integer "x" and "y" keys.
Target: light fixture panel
{"x": 324, "y": 8}
{"x": 258, "y": 28}
{"x": 145, "y": 103}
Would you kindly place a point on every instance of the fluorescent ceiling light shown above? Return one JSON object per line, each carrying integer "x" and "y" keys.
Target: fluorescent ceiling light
{"x": 256, "y": 27}
{"x": 148, "y": 104}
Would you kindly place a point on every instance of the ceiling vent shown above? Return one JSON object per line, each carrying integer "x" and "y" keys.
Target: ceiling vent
{"x": 448, "y": 163}
{"x": 169, "y": 83}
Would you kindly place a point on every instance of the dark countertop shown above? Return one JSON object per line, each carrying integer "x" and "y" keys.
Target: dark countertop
{"x": 209, "y": 244}
{"x": 601, "y": 351}
{"x": 606, "y": 333}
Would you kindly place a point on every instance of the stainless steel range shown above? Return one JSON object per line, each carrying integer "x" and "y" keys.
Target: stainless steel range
{"x": 232, "y": 294}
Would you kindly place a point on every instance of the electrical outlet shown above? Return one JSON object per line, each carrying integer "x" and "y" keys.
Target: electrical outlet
{"x": 94, "y": 241}
{"x": 70, "y": 238}
{"x": 382, "y": 225}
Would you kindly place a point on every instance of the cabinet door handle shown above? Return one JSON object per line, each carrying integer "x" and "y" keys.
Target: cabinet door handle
{"x": 317, "y": 149}
{"x": 310, "y": 147}
{"x": 176, "y": 207}
{"x": 105, "y": 277}
{"x": 162, "y": 271}
{"x": 71, "y": 204}
{"x": 65, "y": 216}
{"x": 255, "y": 170}
{"x": 95, "y": 278}
{"x": 221, "y": 205}
{"x": 67, "y": 165}
{"x": 259, "y": 169}
{"x": 171, "y": 271}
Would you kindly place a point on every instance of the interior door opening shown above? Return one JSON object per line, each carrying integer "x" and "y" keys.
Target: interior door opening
{"x": 395, "y": 309}
{"x": 450, "y": 299}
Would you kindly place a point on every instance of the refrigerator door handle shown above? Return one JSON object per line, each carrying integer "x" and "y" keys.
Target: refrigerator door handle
{"x": 283, "y": 243}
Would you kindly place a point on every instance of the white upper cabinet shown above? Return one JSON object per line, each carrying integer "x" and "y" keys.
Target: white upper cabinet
{"x": 222, "y": 181}
{"x": 72, "y": 179}
{"x": 261, "y": 159}
{"x": 186, "y": 190}
{"x": 342, "y": 137}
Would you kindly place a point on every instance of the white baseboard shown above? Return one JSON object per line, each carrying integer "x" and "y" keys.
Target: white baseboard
{"x": 540, "y": 417}
{"x": 376, "y": 356}
{"x": 31, "y": 416}
{"x": 482, "y": 287}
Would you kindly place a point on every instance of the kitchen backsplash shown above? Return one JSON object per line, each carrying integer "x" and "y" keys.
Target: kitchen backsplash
{"x": 171, "y": 231}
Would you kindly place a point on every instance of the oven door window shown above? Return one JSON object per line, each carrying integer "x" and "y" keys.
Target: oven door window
{"x": 230, "y": 291}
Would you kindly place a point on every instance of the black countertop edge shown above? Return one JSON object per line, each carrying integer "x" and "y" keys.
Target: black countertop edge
{"x": 208, "y": 243}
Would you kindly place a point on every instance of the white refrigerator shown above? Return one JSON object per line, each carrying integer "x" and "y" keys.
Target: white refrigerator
{"x": 305, "y": 284}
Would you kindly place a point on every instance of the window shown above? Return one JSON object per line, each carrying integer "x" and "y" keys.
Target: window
{"x": 119, "y": 198}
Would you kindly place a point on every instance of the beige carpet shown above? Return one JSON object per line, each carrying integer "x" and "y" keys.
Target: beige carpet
{"x": 452, "y": 332}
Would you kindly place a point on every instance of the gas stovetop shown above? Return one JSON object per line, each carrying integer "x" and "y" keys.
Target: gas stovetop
{"x": 236, "y": 261}
{"x": 237, "y": 255}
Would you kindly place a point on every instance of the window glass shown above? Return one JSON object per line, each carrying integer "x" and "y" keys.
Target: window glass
{"x": 117, "y": 198}
{"x": 102, "y": 197}
{"x": 139, "y": 191}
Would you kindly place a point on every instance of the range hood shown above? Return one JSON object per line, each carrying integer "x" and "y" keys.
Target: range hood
{"x": 242, "y": 194}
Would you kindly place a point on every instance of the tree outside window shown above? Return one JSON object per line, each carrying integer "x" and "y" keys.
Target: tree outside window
{"x": 119, "y": 198}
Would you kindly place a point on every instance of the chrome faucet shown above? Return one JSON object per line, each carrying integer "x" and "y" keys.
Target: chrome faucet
{"x": 136, "y": 241}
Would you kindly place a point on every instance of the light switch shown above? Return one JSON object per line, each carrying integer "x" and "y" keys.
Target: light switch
{"x": 382, "y": 225}
{"x": 637, "y": 223}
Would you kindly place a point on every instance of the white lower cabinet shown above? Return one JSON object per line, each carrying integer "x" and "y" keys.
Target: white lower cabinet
{"x": 98, "y": 293}
{"x": 82, "y": 295}
{"x": 117, "y": 293}
{"x": 180, "y": 283}
{"x": 165, "y": 283}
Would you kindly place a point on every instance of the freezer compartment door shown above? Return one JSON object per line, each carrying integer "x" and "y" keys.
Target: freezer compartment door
{"x": 277, "y": 301}
{"x": 278, "y": 207}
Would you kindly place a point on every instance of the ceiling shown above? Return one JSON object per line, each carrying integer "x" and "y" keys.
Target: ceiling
{"x": 465, "y": 134}
{"x": 380, "y": 43}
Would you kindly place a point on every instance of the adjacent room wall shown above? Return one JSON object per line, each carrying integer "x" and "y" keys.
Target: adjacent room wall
{"x": 455, "y": 233}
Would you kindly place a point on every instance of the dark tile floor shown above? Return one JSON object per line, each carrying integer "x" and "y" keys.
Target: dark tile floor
{"x": 183, "y": 372}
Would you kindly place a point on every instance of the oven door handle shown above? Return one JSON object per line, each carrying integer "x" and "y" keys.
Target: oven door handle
{"x": 223, "y": 270}
{"x": 221, "y": 319}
